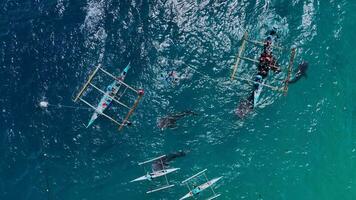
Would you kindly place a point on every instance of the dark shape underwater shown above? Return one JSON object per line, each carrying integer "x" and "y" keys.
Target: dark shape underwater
{"x": 160, "y": 165}
{"x": 302, "y": 72}
{"x": 170, "y": 121}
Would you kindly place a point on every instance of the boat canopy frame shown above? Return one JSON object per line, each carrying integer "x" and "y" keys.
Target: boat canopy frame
{"x": 240, "y": 56}
{"x": 116, "y": 98}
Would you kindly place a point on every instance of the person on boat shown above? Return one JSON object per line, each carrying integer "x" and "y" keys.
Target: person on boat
{"x": 196, "y": 190}
{"x": 302, "y": 72}
{"x": 111, "y": 90}
{"x": 164, "y": 162}
{"x": 267, "y": 61}
{"x": 122, "y": 76}
{"x": 149, "y": 177}
{"x": 170, "y": 121}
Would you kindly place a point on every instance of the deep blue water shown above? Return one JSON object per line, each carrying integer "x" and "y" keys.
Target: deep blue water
{"x": 299, "y": 146}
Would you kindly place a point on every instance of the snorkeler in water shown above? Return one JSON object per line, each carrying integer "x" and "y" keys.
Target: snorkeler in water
{"x": 173, "y": 77}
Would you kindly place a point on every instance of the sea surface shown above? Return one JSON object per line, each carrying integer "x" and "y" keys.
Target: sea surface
{"x": 298, "y": 146}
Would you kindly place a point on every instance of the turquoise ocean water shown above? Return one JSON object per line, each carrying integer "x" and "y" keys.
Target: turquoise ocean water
{"x": 299, "y": 146}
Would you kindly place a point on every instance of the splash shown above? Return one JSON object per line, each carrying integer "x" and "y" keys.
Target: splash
{"x": 43, "y": 104}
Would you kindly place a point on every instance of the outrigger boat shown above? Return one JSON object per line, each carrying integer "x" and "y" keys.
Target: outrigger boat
{"x": 110, "y": 95}
{"x": 248, "y": 104}
{"x": 150, "y": 176}
{"x": 197, "y": 190}
{"x": 155, "y": 174}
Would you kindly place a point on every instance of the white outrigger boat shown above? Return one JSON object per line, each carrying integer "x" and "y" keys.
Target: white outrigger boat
{"x": 155, "y": 174}
{"x": 110, "y": 95}
{"x": 197, "y": 190}
{"x": 150, "y": 176}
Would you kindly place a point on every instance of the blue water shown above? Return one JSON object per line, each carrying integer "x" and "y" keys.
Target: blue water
{"x": 299, "y": 146}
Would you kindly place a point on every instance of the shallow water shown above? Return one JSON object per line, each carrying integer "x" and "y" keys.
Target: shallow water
{"x": 299, "y": 146}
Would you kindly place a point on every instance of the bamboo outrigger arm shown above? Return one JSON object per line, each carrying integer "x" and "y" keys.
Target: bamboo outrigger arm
{"x": 118, "y": 80}
{"x": 263, "y": 43}
{"x": 151, "y": 160}
{"x": 113, "y": 98}
{"x": 290, "y": 66}
{"x": 159, "y": 189}
{"x": 87, "y": 83}
{"x": 263, "y": 84}
{"x": 242, "y": 48}
{"x": 195, "y": 175}
{"x": 140, "y": 95}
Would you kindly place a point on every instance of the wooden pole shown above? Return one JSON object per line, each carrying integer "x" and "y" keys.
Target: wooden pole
{"x": 87, "y": 83}
{"x": 150, "y": 160}
{"x": 263, "y": 84}
{"x": 111, "y": 97}
{"x": 140, "y": 95}
{"x": 263, "y": 43}
{"x": 242, "y": 48}
{"x": 291, "y": 61}
{"x": 249, "y": 59}
{"x": 118, "y": 80}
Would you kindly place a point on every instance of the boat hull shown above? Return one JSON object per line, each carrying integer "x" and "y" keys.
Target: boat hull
{"x": 246, "y": 106}
{"x": 257, "y": 94}
{"x": 201, "y": 187}
{"x": 155, "y": 174}
{"x": 105, "y": 101}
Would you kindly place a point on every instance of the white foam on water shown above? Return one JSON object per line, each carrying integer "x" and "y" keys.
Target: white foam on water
{"x": 93, "y": 27}
{"x": 60, "y": 7}
{"x": 308, "y": 26}
{"x": 43, "y": 104}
